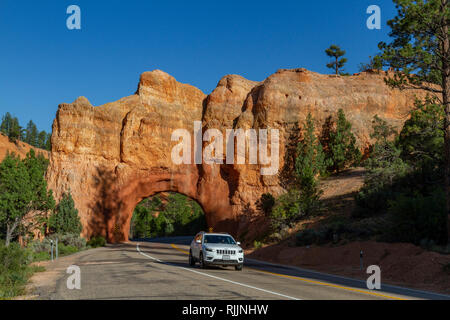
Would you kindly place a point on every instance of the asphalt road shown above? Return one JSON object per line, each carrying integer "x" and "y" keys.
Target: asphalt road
{"x": 158, "y": 269}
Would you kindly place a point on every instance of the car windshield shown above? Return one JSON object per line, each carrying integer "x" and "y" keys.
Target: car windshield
{"x": 219, "y": 239}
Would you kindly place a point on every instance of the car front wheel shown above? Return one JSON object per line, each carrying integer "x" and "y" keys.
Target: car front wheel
{"x": 191, "y": 259}
{"x": 202, "y": 262}
{"x": 238, "y": 267}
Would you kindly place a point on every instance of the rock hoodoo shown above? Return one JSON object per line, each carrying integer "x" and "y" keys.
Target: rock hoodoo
{"x": 113, "y": 156}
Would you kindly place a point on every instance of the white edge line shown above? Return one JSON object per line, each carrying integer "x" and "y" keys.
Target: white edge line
{"x": 146, "y": 255}
{"x": 218, "y": 278}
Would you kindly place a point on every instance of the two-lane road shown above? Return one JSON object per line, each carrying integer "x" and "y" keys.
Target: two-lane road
{"x": 159, "y": 270}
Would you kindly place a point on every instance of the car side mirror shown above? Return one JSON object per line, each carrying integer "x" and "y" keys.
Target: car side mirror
{"x": 198, "y": 241}
{"x": 238, "y": 243}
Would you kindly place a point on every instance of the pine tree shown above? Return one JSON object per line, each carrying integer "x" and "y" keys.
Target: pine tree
{"x": 31, "y": 133}
{"x": 335, "y": 52}
{"x": 6, "y": 123}
{"x": 310, "y": 163}
{"x": 419, "y": 54}
{"x": 15, "y": 130}
{"x": 42, "y": 139}
{"x": 65, "y": 220}
{"x": 343, "y": 150}
{"x": 48, "y": 142}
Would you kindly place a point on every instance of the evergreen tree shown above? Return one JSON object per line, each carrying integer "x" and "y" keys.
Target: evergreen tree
{"x": 374, "y": 63}
{"x": 42, "y": 140}
{"x": 31, "y": 133}
{"x": 6, "y": 123}
{"x": 15, "y": 130}
{"x": 422, "y": 138}
{"x": 420, "y": 57}
{"x": 48, "y": 142}
{"x": 342, "y": 148}
{"x": 310, "y": 163}
{"x": 335, "y": 52}
{"x": 11, "y": 128}
{"x": 65, "y": 220}
{"x": 22, "y": 189}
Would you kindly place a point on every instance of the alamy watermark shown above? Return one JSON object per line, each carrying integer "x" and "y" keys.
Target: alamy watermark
{"x": 374, "y": 281}
{"x": 74, "y": 20}
{"x": 374, "y": 21}
{"x": 253, "y": 142}
{"x": 74, "y": 280}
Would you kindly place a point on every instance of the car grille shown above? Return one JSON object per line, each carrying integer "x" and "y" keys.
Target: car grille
{"x": 221, "y": 251}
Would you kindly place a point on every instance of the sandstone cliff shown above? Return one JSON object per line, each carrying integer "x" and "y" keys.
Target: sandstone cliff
{"x": 113, "y": 156}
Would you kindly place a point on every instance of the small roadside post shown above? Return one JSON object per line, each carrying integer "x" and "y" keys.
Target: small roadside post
{"x": 56, "y": 248}
{"x": 51, "y": 245}
{"x": 361, "y": 260}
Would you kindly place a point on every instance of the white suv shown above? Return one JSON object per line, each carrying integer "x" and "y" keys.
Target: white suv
{"x": 216, "y": 249}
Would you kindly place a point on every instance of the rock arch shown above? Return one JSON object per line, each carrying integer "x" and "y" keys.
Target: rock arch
{"x": 112, "y": 156}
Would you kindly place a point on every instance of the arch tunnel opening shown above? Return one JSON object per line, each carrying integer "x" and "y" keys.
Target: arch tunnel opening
{"x": 166, "y": 214}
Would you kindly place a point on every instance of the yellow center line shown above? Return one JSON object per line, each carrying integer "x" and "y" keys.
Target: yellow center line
{"x": 311, "y": 281}
{"x": 179, "y": 249}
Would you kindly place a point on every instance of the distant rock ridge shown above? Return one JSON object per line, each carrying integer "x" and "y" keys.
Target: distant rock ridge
{"x": 113, "y": 156}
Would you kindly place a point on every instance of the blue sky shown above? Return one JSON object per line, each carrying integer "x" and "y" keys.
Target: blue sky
{"x": 43, "y": 64}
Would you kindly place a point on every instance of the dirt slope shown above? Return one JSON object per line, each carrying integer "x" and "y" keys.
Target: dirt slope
{"x": 401, "y": 264}
{"x": 20, "y": 148}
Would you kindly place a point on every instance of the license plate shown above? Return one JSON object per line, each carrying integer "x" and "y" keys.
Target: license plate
{"x": 226, "y": 257}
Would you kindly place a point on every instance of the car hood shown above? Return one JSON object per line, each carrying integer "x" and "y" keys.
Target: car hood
{"x": 221, "y": 246}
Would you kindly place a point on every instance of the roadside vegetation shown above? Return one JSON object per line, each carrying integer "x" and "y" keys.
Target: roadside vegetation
{"x": 30, "y": 219}
{"x": 402, "y": 199}
{"x": 316, "y": 157}
{"x": 174, "y": 215}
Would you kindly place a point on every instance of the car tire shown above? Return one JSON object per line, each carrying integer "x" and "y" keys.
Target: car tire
{"x": 238, "y": 267}
{"x": 191, "y": 259}
{"x": 202, "y": 262}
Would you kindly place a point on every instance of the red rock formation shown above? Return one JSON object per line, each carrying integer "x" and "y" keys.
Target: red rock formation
{"x": 113, "y": 156}
{"x": 18, "y": 148}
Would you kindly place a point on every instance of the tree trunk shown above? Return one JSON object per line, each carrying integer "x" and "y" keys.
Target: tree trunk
{"x": 447, "y": 161}
{"x": 8, "y": 235}
{"x": 10, "y": 231}
{"x": 337, "y": 69}
{"x": 446, "y": 102}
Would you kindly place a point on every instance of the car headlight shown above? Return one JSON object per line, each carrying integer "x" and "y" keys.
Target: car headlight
{"x": 209, "y": 250}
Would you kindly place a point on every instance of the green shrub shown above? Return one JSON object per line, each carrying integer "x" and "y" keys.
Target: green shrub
{"x": 446, "y": 268}
{"x": 257, "y": 244}
{"x": 287, "y": 210}
{"x": 266, "y": 203}
{"x": 41, "y": 256}
{"x": 14, "y": 270}
{"x": 65, "y": 250}
{"x": 69, "y": 239}
{"x": 419, "y": 217}
{"x": 97, "y": 241}
{"x": 66, "y": 242}
{"x": 305, "y": 237}
{"x": 309, "y": 236}
{"x": 38, "y": 246}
